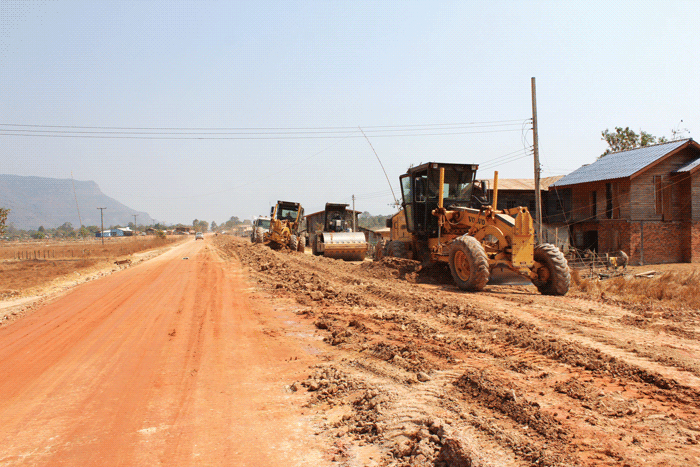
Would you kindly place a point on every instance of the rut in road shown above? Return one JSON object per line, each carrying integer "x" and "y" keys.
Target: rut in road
{"x": 525, "y": 379}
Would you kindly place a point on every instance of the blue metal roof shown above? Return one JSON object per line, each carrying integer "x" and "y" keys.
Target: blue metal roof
{"x": 620, "y": 164}
{"x": 688, "y": 167}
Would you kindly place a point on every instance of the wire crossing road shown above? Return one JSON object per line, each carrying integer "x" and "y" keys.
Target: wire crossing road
{"x": 166, "y": 363}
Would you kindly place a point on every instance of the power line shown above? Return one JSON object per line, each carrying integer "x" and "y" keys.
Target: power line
{"x": 346, "y": 128}
{"x": 195, "y": 137}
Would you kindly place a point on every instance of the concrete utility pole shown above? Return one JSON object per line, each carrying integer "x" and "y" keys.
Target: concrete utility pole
{"x": 135, "y": 216}
{"x": 536, "y": 151}
{"x": 102, "y": 225}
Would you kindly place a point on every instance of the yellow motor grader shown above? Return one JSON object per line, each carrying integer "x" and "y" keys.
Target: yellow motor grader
{"x": 285, "y": 219}
{"x": 449, "y": 219}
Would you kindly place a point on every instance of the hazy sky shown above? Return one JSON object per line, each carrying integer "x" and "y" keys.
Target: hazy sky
{"x": 204, "y": 109}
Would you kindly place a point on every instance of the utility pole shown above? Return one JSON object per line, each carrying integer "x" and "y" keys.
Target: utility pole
{"x": 102, "y": 225}
{"x": 353, "y": 213}
{"x": 135, "y": 216}
{"x": 536, "y": 151}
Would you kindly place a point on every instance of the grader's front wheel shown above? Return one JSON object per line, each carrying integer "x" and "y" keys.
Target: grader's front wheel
{"x": 293, "y": 242}
{"x": 469, "y": 264}
{"x": 553, "y": 276}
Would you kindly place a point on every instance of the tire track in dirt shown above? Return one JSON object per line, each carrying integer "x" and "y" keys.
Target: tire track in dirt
{"x": 544, "y": 388}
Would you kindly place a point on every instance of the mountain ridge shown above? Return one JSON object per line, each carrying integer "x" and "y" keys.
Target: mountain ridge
{"x": 50, "y": 202}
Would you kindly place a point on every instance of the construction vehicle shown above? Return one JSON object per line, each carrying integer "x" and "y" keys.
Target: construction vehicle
{"x": 449, "y": 219}
{"x": 285, "y": 219}
{"x": 335, "y": 237}
{"x": 260, "y": 225}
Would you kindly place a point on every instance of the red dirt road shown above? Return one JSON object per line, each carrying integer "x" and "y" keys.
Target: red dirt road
{"x": 166, "y": 363}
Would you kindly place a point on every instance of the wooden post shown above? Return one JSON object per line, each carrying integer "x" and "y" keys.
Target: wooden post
{"x": 495, "y": 191}
{"x": 641, "y": 241}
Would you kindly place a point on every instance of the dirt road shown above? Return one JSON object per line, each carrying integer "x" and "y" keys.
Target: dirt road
{"x": 171, "y": 362}
{"x": 241, "y": 355}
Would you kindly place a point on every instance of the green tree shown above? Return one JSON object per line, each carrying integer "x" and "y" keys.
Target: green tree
{"x": 201, "y": 226}
{"x": 213, "y": 225}
{"x": 369, "y": 221}
{"x": 67, "y": 226}
{"x": 3, "y": 219}
{"x": 626, "y": 139}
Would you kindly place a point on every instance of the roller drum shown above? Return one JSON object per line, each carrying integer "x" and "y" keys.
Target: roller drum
{"x": 350, "y": 246}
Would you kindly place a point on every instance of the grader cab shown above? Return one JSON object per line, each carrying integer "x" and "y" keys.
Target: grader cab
{"x": 450, "y": 220}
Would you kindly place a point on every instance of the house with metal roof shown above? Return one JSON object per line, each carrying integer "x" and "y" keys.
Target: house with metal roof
{"x": 513, "y": 192}
{"x": 644, "y": 201}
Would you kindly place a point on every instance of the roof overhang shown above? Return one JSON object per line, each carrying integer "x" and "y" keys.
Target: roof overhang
{"x": 687, "y": 144}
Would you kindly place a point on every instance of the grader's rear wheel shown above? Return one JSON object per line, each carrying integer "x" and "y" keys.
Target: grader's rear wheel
{"x": 554, "y": 277}
{"x": 301, "y": 243}
{"x": 314, "y": 245}
{"x": 469, "y": 264}
{"x": 258, "y": 235}
{"x": 396, "y": 249}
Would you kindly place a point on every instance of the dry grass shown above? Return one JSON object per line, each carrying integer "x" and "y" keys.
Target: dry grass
{"x": 90, "y": 248}
{"x": 676, "y": 289}
{"x": 63, "y": 260}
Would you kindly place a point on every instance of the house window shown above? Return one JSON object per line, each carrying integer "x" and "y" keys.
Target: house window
{"x": 608, "y": 201}
{"x": 658, "y": 194}
{"x": 594, "y": 204}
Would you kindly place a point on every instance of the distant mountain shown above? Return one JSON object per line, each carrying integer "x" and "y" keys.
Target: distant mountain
{"x": 37, "y": 201}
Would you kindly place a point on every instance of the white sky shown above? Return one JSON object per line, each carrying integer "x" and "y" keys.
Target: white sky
{"x": 260, "y": 68}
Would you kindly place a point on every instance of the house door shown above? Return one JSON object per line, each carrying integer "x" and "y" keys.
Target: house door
{"x": 590, "y": 240}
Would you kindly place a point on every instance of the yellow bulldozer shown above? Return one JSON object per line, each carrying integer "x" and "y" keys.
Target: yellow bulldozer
{"x": 446, "y": 217}
{"x": 285, "y": 219}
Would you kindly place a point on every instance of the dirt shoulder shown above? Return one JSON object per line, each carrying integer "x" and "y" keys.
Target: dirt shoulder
{"x": 420, "y": 373}
{"x": 26, "y": 284}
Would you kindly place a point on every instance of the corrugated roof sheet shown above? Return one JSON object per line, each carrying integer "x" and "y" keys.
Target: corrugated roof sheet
{"x": 524, "y": 184}
{"x": 688, "y": 167}
{"x": 620, "y": 164}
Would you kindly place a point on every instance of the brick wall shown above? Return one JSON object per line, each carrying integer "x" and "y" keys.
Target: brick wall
{"x": 613, "y": 235}
{"x": 664, "y": 242}
{"x": 694, "y": 242}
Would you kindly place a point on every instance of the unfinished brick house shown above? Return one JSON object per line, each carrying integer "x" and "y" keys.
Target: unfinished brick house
{"x": 644, "y": 201}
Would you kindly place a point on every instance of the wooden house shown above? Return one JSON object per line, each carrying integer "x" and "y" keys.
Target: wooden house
{"x": 514, "y": 192}
{"x": 645, "y": 202}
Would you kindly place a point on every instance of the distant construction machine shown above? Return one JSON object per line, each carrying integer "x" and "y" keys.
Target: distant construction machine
{"x": 446, "y": 217}
{"x": 335, "y": 238}
{"x": 285, "y": 219}
{"x": 260, "y": 225}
